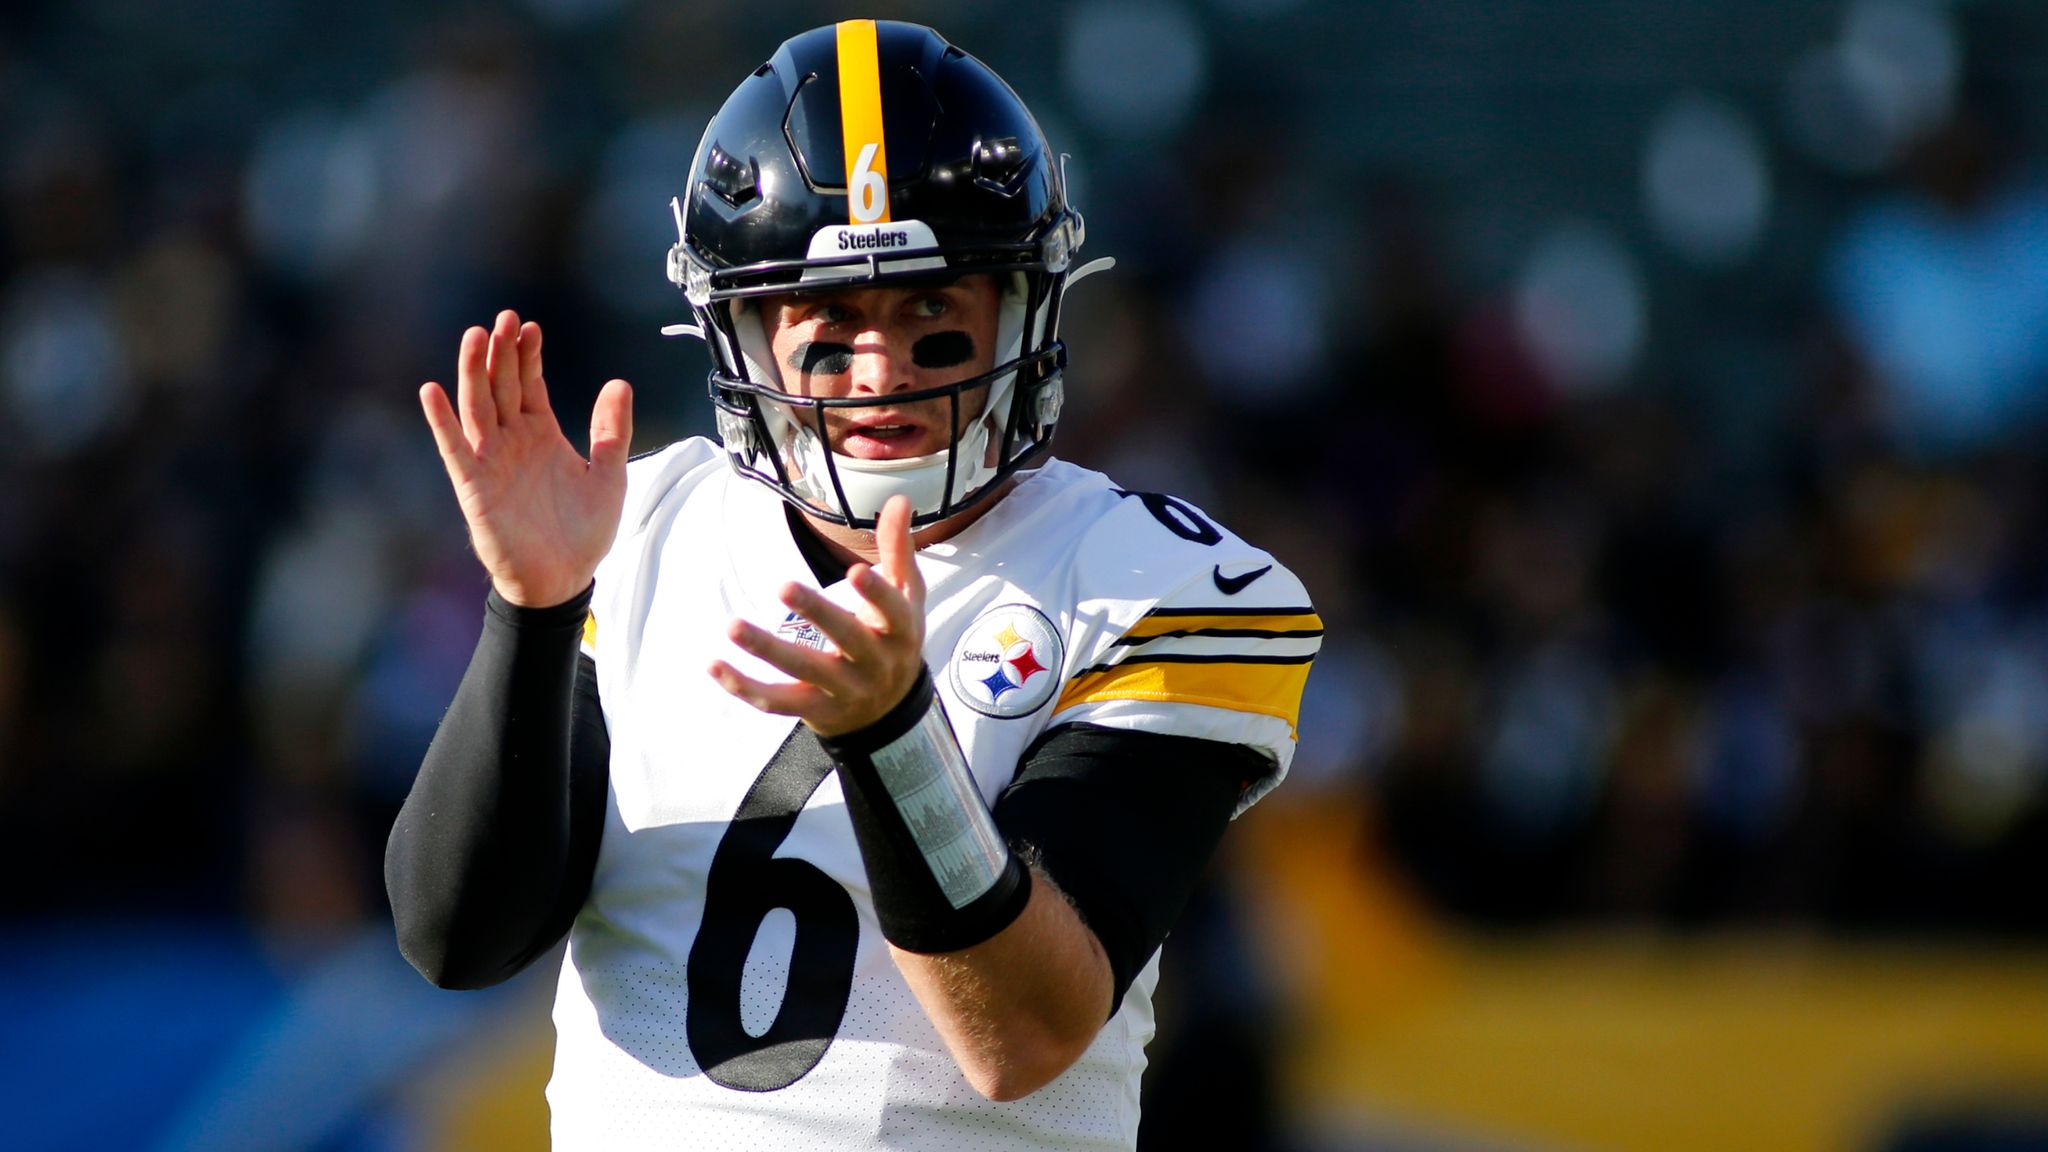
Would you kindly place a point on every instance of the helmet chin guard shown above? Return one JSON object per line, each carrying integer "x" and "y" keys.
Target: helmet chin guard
{"x": 782, "y": 441}
{"x": 925, "y": 167}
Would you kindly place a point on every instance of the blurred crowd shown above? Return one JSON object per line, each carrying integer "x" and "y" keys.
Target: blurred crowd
{"x": 1678, "y": 519}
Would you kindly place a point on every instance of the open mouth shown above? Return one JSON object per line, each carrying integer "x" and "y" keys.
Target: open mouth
{"x": 885, "y": 440}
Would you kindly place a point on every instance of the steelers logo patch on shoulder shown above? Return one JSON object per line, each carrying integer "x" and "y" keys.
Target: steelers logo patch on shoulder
{"x": 1008, "y": 662}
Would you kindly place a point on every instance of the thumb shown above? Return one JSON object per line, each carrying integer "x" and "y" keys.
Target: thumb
{"x": 611, "y": 427}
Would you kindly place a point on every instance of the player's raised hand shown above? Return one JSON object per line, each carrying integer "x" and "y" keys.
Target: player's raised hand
{"x": 540, "y": 515}
{"x": 880, "y": 643}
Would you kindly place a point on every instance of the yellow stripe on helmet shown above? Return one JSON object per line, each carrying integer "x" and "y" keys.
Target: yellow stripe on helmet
{"x": 860, "y": 124}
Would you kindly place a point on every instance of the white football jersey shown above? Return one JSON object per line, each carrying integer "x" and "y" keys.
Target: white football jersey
{"x": 726, "y": 985}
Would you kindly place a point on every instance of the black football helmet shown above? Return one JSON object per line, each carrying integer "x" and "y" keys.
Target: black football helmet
{"x": 861, "y": 153}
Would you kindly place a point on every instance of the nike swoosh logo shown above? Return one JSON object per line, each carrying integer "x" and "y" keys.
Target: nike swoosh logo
{"x": 1232, "y": 585}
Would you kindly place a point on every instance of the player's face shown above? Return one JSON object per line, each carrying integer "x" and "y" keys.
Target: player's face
{"x": 885, "y": 341}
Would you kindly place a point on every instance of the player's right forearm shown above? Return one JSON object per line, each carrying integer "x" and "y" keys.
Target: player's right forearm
{"x": 494, "y": 848}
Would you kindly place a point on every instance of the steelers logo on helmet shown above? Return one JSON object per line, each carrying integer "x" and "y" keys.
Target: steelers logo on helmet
{"x": 1007, "y": 664}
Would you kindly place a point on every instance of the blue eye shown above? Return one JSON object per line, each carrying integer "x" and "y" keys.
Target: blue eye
{"x": 929, "y": 306}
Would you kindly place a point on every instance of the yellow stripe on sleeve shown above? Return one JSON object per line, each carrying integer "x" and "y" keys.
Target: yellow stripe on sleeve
{"x": 1268, "y": 689}
{"x": 860, "y": 123}
{"x": 1274, "y": 625}
{"x": 590, "y": 630}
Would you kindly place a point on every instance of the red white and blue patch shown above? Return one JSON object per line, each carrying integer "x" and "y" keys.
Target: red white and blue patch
{"x": 1007, "y": 664}
{"x": 803, "y": 633}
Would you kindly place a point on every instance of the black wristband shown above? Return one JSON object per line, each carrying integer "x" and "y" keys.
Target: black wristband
{"x": 941, "y": 875}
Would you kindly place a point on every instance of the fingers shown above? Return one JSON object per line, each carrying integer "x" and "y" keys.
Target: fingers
{"x": 611, "y": 427}
{"x": 779, "y": 699}
{"x": 456, "y": 454}
{"x": 898, "y": 553}
{"x": 887, "y": 609}
{"x": 533, "y": 393}
{"x": 841, "y": 689}
{"x": 846, "y": 631}
{"x": 504, "y": 365}
{"x": 473, "y": 386}
{"x": 498, "y": 376}
{"x": 818, "y": 669}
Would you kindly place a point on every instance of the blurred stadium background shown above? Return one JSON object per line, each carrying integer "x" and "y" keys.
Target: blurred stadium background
{"x": 1652, "y": 393}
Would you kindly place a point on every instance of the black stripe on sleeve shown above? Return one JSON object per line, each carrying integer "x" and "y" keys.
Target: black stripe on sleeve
{"x": 1260, "y": 633}
{"x": 1197, "y": 658}
{"x": 1169, "y": 613}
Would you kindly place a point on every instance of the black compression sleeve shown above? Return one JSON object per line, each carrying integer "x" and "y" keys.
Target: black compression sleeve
{"x": 494, "y": 849}
{"x": 1124, "y": 823}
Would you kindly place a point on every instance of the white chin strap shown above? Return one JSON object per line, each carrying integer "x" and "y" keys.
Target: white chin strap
{"x": 868, "y": 484}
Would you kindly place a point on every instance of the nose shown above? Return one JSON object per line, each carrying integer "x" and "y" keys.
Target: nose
{"x": 881, "y": 363}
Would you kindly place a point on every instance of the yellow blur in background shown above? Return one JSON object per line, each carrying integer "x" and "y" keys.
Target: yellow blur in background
{"x": 1636, "y": 1041}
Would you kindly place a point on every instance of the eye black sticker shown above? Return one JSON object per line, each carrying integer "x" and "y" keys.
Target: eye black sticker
{"x": 821, "y": 358}
{"x": 942, "y": 350}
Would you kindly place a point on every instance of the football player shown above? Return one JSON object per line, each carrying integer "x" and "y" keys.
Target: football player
{"x": 865, "y": 757}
